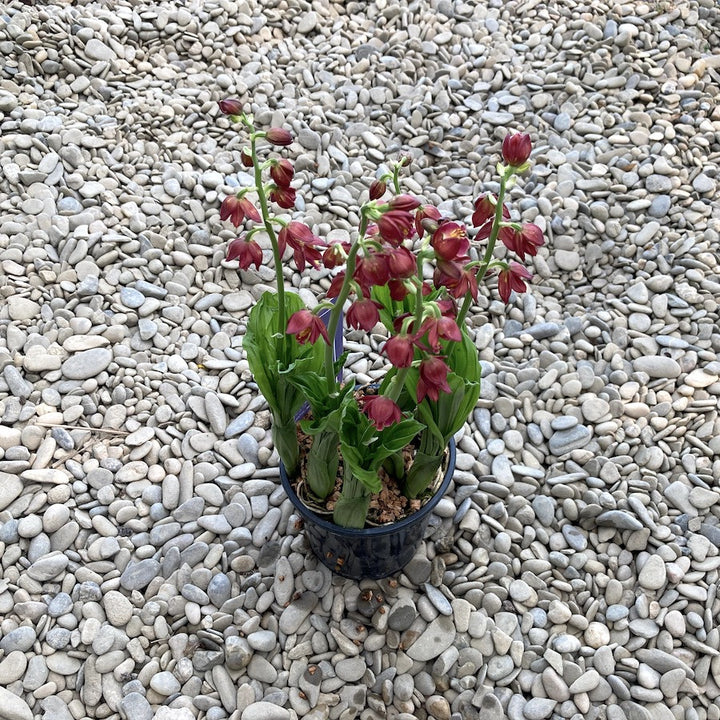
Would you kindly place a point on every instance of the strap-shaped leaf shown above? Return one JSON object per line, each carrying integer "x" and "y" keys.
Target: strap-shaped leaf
{"x": 351, "y": 511}
{"x": 422, "y": 473}
{"x": 322, "y": 464}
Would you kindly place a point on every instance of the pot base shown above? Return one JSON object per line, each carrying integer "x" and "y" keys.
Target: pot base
{"x": 369, "y": 553}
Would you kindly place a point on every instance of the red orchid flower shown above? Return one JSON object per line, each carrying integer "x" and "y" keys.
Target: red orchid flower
{"x": 484, "y": 212}
{"x": 283, "y": 196}
{"x": 425, "y": 212}
{"x": 237, "y": 209}
{"x": 307, "y": 327}
{"x": 401, "y": 263}
{"x": 372, "y": 269}
{"x": 230, "y": 106}
{"x": 437, "y": 328}
{"x": 302, "y": 241}
{"x": 450, "y": 241}
{"x": 400, "y": 349}
{"x": 433, "y": 378}
{"x": 282, "y": 172}
{"x": 525, "y": 241}
{"x": 278, "y": 136}
{"x": 511, "y": 278}
{"x": 336, "y": 285}
{"x": 398, "y": 290}
{"x": 246, "y": 252}
{"x": 395, "y": 225}
{"x": 377, "y": 189}
{"x": 364, "y": 314}
{"x": 381, "y": 410}
{"x": 404, "y": 202}
{"x": 335, "y": 254}
{"x": 457, "y": 279}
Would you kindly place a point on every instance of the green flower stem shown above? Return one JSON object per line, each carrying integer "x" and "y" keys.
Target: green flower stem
{"x": 396, "y": 178}
{"x": 339, "y": 302}
{"x": 497, "y": 223}
{"x": 267, "y": 221}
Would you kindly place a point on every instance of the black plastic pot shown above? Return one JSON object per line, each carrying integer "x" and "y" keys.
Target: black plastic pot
{"x": 370, "y": 553}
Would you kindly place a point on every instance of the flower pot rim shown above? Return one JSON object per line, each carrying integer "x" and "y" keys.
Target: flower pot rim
{"x": 386, "y": 529}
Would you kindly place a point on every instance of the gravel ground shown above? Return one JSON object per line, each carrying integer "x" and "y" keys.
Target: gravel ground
{"x": 151, "y": 564}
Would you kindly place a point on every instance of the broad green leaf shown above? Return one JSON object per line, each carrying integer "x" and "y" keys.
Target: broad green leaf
{"x": 274, "y": 359}
{"x": 397, "y": 436}
{"x": 369, "y": 478}
{"x": 463, "y": 358}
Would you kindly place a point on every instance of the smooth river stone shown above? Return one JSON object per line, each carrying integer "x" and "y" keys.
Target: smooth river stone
{"x": 657, "y": 366}
{"x": 437, "y": 637}
{"x": 86, "y": 364}
{"x": 14, "y": 707}
{"x": 10, "y": 488}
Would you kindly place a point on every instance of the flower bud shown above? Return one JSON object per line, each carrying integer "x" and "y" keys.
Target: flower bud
{"x": 281, "y": 171}
{"x": 516, "y": 149}
{"x": 404, "y": 202}
{"x": 246, "y": 158}
{"x": 377, "y": 189}
{"x": 278, "y": 136}
{"x": 230, "y": 106}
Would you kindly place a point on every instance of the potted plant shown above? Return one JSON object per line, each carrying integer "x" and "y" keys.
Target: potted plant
{"x": 364, "y": 466}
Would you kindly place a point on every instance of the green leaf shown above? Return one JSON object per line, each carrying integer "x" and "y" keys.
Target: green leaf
{"x": 340, "y": 363}
{"x": 381, "y": 293}
{"x": 422, "y": 472}
{"x": 462, "y": 358}
{"x": 351, "y": 511}
{"x": 394, "y": 465}
{"x": 286, "y": 442}
{"x": 369, "y": 478}
{"x": 275, "y": 359}
{"x": 397, "y": 436}
{"x": 322, "y": 464}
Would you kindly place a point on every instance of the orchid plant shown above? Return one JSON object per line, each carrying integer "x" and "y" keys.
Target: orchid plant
{"x": 433, "y": 382}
